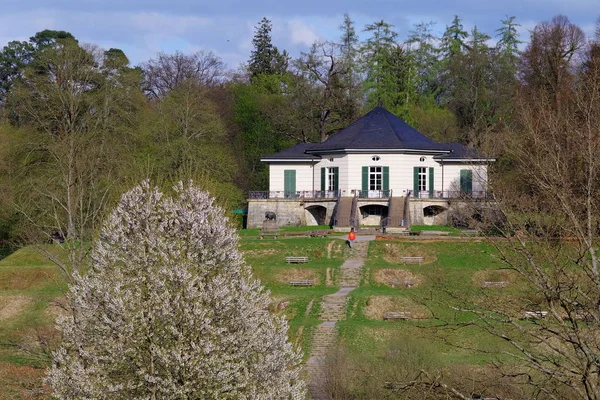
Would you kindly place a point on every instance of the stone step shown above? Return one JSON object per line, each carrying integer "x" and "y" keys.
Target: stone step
{"x": 333, "y": 309}
{"x": 335, "y": 300}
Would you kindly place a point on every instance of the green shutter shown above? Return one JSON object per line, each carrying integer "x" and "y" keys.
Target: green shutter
{"x": 431, "y": 182}
{"x": 289, "y": 182}
{"x": 466, "y": 180}
{"x": 323, "y": 172}
{"x": 416, "y": 181}
{"x": 386, "y": 179}
{"x": 365, "y": 180}
{"x": 336, "y": 179}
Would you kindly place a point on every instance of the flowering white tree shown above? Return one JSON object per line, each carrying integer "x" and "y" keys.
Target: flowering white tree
{"x": 168, "y": 309}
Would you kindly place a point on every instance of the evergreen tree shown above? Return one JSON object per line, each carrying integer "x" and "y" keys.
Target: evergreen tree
{"x": 453, "y": 39}
{"x": 266, "y": 58}
{"x": 16, "y": 56}
{"x": 423, "y": 55}
{"x": 349, "y": 48}
{"x": 348, "y": 40}
{"x": 470, "y": 83}
{"x": 169, "y": 310}
{"x": 385, "y": 65}
{"x": 508, "y": 44}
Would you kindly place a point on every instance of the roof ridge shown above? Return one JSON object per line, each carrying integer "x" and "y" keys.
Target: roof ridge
{"x": 387, "y": 121}
{"x": 368, "y": 118}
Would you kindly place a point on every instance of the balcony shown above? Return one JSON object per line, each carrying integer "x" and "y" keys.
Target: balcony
{"x": 451, "y": 194}
{"x": 300, "y": 194}
{"x": 364, "y": 194}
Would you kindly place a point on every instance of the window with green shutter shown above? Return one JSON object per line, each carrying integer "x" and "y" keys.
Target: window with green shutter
{"x": 289, "y": 182}
{"x": 386, "y": 180}
{"x": 323, "y": 173}
{"x": 466, "y": 181}
{"x": 336, "y": 179}
{"x": 431, "y": 182}
{"x": 365, "y": 179}
{"x": 422, "y": 181}
{"x": 332, "y": 178}
{"x": 416, "y": 182}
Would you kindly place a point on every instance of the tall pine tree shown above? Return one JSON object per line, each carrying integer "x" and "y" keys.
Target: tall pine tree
{"x": 265, "y": 59}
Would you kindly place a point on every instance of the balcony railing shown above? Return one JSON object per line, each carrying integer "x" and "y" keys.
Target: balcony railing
{"x": 373, "y": 194}
{"x": 452, "y": 194}
{"x": 345, "y": 221}
{"x": 365, "y": 194}
{"x": 299, "y": 194}
{"x": 392, "y": 221}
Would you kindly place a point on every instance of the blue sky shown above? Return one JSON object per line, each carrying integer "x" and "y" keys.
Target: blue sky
{"x": 144, "y": 27}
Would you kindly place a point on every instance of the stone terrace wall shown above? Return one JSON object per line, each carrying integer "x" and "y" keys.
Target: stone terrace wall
{"x": 289, "y": 211}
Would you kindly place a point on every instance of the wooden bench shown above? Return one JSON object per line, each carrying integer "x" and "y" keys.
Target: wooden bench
{"x": 535, "y": 314}
{"x": 406, "y": 283}
{"x": 296, "y": 260}
{"x": 301, "y": 283}
{"x": 499, "y": 284}
{"x": 294, "y": 233}
{"x": 272, "y": 234}
{"x": 390, "y": 316}
{"x": 318, "y": 233}
{"x": 434, "y": 233}
{"x": 411, "y": 260}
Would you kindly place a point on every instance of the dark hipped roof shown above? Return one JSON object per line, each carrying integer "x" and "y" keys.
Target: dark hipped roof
{"x": 297, "y": 152}
{"x": 377, "y": 130}
{"x": 461, "y": 152}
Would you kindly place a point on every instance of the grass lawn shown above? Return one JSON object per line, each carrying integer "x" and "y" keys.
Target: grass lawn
{"x": 447, "y": 266}
{"x": 267, "y": 258}
{"x": 442, "y": 228}
{"x": 243, "y": 233}
{"x": 29, "y": 284}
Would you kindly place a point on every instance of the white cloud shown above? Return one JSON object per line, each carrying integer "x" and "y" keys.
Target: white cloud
{"x": 169, "y": 24}
{"x": 142, "y": 28}
{"x": 301, "y": 33}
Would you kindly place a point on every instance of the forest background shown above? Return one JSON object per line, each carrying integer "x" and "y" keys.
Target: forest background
{"x": 79, "y": 125}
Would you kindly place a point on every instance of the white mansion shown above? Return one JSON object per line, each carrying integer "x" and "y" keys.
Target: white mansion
{"x": 378, "y": 171}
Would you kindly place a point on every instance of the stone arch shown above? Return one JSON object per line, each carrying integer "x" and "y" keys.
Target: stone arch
{"x": 434, "y": 215}
{"x": 315, "y": 215}
{"x": 372, "y": 213}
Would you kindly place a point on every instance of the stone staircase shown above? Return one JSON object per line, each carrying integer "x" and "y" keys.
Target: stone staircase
{"x": 333, "y": 309}
{"x": 344, "y": 212}
{"x": 324, "y": 339}
{"x": 395, "y": 211}
{"x": 351, "y": 273}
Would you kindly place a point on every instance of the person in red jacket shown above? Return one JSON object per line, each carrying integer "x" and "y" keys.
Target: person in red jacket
{"x": 351, "y": 237}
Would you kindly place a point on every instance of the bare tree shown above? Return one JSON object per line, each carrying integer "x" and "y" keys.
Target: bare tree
{"x": 554, "y": 50}
{"x": 69, "y": 109}
{"x": 168, "y": 71}
{"x": 327, "y": 78}
{"x": 551, "y": 243}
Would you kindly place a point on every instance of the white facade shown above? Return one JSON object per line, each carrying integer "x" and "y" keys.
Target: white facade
{"x": 304, "y": 176}
{"x": 400, "y": 174}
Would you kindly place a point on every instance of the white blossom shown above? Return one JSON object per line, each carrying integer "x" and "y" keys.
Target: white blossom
{"x": 169, "y": 309}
